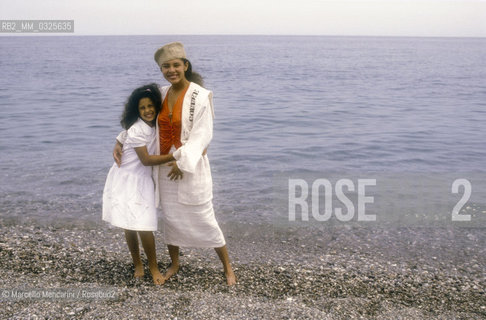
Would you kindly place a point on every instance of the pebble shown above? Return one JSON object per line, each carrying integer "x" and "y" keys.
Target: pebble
{"x": 344, "y": 279}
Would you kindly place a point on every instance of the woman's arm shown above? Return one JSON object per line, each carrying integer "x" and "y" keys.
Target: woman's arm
{"x": 188, "y": 154}
{"x": 117, "y": 153}
{"x": 152, "y": 160}
{"x": 117, "y": 150}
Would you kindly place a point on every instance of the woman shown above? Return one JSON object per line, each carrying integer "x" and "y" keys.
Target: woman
{"x": 183, "y": 189}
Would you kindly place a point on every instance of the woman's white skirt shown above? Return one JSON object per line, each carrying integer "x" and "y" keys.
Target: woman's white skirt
{"x": 186, "y": 225}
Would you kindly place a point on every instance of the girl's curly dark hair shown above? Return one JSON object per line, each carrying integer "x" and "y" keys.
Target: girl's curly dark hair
{"x": 130, "y": 113}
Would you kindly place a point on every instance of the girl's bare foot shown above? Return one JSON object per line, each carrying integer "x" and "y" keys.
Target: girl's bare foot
{"x": 230, "y": 278}
{"x": 138, "y": 272}
{"x": 172, "y": 270}
{"x": 157, "y": 276}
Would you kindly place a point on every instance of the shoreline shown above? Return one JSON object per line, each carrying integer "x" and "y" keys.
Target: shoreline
{"x": 315, "y": 273}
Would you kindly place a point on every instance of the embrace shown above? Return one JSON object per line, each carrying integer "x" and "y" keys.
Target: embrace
{"x": 161, "y": 162}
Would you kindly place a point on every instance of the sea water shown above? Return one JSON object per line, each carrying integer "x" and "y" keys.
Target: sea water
{"x": 286, "y": 107}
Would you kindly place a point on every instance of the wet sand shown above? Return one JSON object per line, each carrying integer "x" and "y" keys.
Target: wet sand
{"x": 292, "y": 272}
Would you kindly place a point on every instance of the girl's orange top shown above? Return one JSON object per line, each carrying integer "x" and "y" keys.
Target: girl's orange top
{"x": 170, "y": 125}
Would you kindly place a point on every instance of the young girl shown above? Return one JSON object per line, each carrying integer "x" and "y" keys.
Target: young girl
{"x": 128, "y": 196}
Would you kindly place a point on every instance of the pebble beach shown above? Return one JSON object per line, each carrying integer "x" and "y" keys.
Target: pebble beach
{"x": 299, "y": 272}
{"x": 405, "y": 111}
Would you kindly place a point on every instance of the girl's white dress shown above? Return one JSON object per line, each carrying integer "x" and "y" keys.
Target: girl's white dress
{"x": 128, "y": 196}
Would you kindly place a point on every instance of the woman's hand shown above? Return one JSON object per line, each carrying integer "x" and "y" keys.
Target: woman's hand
{"x": 175, "y": 173}
{"x": 117, "y": 153}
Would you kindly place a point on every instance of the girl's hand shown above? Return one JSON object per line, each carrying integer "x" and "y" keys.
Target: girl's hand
{"x": 117, "y": 153}
{"x": 175, "y": 173}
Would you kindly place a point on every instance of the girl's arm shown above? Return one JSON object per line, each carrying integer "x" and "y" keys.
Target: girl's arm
{"x": 152, "y": 160}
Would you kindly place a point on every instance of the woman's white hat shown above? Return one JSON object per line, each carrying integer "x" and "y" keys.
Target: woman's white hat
{"x": 170, "y": 51}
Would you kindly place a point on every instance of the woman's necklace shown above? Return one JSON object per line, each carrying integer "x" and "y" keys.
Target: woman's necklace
{"x": 171, "y": 107}
{"x": 175, "y": 95}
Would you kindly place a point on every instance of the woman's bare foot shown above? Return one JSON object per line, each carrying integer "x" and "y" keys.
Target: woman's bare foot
{"x": 157, "y": 276}
{"x": 228, "y": 271}
{"x": 139, "y": 273}
{"x": 230, "y": 278}
{"x": 172, "y": 270}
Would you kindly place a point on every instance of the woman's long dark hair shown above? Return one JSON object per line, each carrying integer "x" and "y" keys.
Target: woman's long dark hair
{"x": 191, "y": 75}
{"x": 130, "y": 113}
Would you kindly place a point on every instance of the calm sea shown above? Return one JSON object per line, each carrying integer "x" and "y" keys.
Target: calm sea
{"x": 285, "y": 107}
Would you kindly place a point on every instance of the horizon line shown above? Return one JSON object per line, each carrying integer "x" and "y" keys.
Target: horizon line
{"x": 21, "y": 34}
